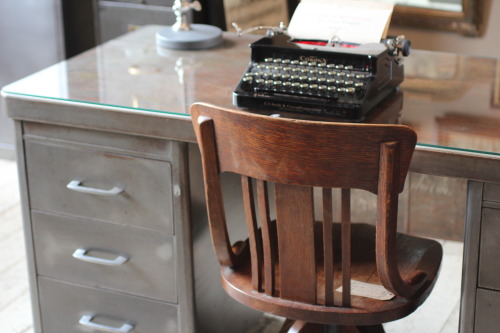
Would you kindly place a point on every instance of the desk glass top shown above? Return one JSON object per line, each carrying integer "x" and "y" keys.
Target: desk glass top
{"x": 452, "y": 101}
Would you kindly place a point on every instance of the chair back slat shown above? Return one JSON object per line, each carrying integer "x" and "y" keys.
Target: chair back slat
{"x": 345, "y": 156}
{"x": 296, "y": 242}
{"x": 268, "y": 239}
{"x": 254, "y": 236}
{"x": 346, "y": 246}
{"x": 328, "y": 254}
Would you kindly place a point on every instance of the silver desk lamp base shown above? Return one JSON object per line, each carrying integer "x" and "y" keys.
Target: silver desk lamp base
{"x": 200, "y": 36}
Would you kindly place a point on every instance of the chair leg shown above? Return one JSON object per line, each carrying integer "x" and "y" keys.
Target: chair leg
{"x": 362, "y": 329}
{"x": 297, "y": 326}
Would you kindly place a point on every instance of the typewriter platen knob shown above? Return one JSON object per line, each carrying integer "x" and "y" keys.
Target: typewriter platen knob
{"x": 405, "y": 47}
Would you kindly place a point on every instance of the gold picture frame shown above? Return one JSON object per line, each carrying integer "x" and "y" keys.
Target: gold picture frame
{"x": 496, "y": 88}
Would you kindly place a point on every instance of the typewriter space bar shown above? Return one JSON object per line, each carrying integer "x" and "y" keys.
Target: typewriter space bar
{"x": 301, "y": 97}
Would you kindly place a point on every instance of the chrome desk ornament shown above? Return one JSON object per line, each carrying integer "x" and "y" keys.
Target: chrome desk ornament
{"x": 270, "y": 30}
{"x": 185, "y": 36}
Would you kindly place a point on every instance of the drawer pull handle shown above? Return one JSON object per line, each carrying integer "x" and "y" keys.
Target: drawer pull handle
{"x": 86, "y": 320}
{"x": 81, "y": 254}
{"x": 76, "y": 185}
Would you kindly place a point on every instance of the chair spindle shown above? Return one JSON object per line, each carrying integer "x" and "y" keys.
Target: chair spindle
{"x": 328, "y": 245}
{"x": 267, "y": 238}
{"x": 346, "y": 246}
{"x": 253, "y": 232}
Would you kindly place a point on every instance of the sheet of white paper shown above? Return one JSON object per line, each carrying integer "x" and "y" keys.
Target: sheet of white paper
{"x": 369, "y": 290}
{"x": 353, "y": 21}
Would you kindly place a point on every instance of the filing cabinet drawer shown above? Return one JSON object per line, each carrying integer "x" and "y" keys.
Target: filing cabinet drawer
{"x": 135, "y": 261}
{"x": 77, "y": 309}
{"x": 110, "y": 187}
{"x": 487, "y": 305}
{"x": 489, "y": 262}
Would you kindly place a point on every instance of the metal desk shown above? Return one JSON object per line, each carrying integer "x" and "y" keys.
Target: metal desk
{"x": 128, "y": 86}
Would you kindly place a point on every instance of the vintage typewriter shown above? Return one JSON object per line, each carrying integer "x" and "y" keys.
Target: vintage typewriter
{"x": 331, "y": 79}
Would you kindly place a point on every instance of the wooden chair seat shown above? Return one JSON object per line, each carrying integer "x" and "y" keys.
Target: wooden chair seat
{"x": 293, "y": 265}
{"x": 415, "y": 254}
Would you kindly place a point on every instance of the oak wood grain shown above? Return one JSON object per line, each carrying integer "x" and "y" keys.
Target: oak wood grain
{"x": 298, "y": 263}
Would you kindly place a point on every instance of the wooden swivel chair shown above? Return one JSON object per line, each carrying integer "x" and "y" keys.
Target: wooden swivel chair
{"x": 292, "y": 266}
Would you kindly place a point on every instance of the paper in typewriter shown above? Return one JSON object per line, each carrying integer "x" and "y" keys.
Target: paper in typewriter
{"x": 352, "y": 21}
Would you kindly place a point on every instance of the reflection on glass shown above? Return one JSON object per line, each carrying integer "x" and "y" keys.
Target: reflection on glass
{"x": 446, "y": 5}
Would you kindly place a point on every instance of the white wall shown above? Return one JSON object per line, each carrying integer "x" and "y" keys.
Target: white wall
{"x": 487, "y": 45}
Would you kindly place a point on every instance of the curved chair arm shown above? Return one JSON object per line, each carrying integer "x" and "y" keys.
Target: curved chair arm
{"x": 204, "y": 129}
{"x": 387, "y": 262}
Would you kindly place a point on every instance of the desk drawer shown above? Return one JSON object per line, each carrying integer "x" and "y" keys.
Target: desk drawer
{"x": 146, "y": 199}
{"x": 489, "y": 262}
{"x": 491, "y": 192}
{"x": 63, "y": 306}
{"x": 149, "y": 269}
{"x": 487, "y": 305}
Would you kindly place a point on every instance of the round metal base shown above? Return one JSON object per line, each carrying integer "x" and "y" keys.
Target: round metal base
{"x": 201, "y": 36}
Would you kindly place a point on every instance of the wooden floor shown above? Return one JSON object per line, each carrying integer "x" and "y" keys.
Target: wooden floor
{"x": 438, "y": 315}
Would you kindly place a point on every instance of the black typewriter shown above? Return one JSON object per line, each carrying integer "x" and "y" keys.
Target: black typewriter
{"x": 327, "y": 79}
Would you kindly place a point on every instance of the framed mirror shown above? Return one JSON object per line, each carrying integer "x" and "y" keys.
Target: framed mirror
{"x": 462, "y": 16}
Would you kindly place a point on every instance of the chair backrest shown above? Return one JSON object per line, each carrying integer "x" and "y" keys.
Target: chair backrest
{"x": 297, "y": 155}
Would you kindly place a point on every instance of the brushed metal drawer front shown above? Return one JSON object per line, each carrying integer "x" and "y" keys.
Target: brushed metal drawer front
{"x": 491, "y": 192}
{"x": 489, "y": 262}
{"x": 146, "y": 199}
{"x": 150, "y": 260}
{"x": 64, "y": 305}
{"x": 487, "y": 305}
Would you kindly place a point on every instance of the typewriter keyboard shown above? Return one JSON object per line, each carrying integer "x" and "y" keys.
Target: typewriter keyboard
{"x": 303, "y": 78}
